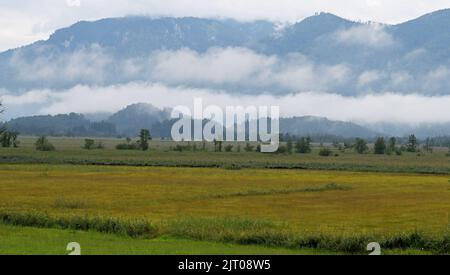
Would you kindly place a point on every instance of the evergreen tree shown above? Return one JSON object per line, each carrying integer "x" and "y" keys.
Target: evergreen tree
{"x": 411, "y": 146}
{"x": 361, "y": 146}
{"x": 144, "y": 137}
{"x": 380, "y": 146}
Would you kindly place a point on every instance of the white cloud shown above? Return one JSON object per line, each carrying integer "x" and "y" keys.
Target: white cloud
{"x": 73, "y": 3}
{"x": 400, "y": 78}
{"x": 368, "y": 77}
{"x": 243, "y": 67}
{"x": 218, "y": 66}
{"x": 237, "y": 70}
{"x": 86, "y": 64}
{"x": 31, "y": 97}
{"x": 370, "y": 108}
{"x": 438, "y": 79}
{"x": 371, "y": 35}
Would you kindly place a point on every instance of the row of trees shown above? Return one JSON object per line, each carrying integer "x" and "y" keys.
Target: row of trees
{"x": 381, "y": 146}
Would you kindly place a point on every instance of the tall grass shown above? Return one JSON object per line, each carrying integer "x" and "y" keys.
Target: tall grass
{"x": 231, "y": 230}
{"x": 253, "y": 232}
{"x": 126, "y": 227}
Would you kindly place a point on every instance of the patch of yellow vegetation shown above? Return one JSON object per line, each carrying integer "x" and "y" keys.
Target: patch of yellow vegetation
{"x": 374, "y": 202}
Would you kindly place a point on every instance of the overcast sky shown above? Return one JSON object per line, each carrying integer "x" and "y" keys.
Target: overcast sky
{"x": 25, "y": 21}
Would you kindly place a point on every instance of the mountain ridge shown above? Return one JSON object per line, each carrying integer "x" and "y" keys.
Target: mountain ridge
{"x": 412, "y": 49}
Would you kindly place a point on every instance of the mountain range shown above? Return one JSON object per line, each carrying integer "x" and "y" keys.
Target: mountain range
{"x": 349, "y": 58}
{"x": 129, "y": 121}
{"x": 322, "y": 53}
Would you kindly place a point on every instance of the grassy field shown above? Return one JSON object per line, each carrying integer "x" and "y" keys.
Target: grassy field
{"x": 68, "y": 151}
{"x": 30, "y": 241}
{"x": 215, "y": 203}
{"x": 219, "y": 204}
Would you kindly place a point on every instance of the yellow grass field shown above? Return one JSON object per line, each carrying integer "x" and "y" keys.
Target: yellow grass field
{"x": 301, "y": 201}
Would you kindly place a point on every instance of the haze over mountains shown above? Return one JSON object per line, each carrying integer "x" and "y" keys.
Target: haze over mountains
{"x": 322, "y": 54}
{"x": 128, "y": 122}
{"x": 331, "y": 53}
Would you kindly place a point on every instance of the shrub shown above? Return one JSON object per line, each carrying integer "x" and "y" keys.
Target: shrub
{"x": 303, "y": 145}
{"x": 248, "y": 147}
{"x": 127, "y": 146}
{"x": 325, "y": 152}
{"x": 282, "y": 149}
{"x": 229, "y": 148}
{"x": 181, "y": 148}
{"x": 42, "y": 144}
{"x": 89, "y": 144}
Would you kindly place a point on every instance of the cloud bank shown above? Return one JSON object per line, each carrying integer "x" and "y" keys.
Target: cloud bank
{"x": 232, "y": 69}
{"x": 389, "y": 107}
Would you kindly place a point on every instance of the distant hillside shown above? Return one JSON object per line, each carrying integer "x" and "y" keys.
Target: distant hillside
{"x": 131, "y": 119}
{"x": 60, "y": 125}
{"x": 128, "y": 122}
{"x": 313, "y": 126}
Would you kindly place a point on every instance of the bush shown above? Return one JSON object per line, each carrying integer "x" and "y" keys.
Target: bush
{"x": 229, "y": 148}
{"x": 127, "y": 146}
{"x": 248, "y": 147}
{"x": 42, "y": 144}
{"x": 325, "y": 152}
{"x": 89, "y": 144}
{"x": 282, "y": 149}
{"x": 181, "y": 148}
{"x": 303, "y": 146}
